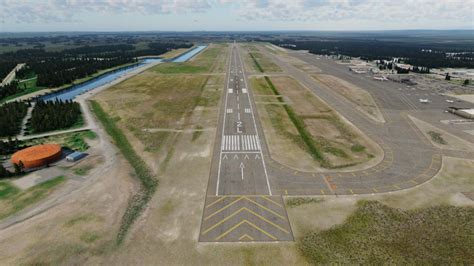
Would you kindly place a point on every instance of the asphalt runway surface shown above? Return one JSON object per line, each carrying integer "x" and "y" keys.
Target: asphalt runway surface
{"x": 244, "y": 197}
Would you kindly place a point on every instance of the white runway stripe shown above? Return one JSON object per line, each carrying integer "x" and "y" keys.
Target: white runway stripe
{"x": 229, "y": 111}
{"x": 244, "y": 90}
{"x": 240, "y": 143}
{"x": 247, "y": 110}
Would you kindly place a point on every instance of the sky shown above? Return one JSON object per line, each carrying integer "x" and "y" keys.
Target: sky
{"x": 232, "y": 15}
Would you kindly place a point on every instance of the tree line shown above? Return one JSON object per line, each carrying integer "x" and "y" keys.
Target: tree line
{"x": 421, "y": 55}
{"x": 5, "y": 68}
{"x": 54, "y": 69}
{"x": 10, "y": 146}
{"x": 9, "y": 89}
{"x": 12, "y": 115}
{"x": 54, "y": 115}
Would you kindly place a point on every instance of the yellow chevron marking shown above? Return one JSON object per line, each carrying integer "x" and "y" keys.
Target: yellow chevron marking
{"x": 322, "y": 192}
{"x": 375, "y": 190}
{"x": 272, "y": 201}
{"x": 352, "y": 192}
{"x": 414, "y": 182}
{"x": 265, "y": 208}
{"x": 396, "y": 186}
{"x": 246, "y": 236}
{"x": 239, "y": 211}
{"x": 249, "y": 223}
{"x": 223, "y": 208}
{"x": 214, "y": 202}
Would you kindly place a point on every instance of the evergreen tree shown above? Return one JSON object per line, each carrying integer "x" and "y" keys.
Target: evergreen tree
{"x": 3, "y": 172}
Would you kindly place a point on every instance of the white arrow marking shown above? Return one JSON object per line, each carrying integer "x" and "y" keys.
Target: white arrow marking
{"x": 236, "y": 157}
{"x": 246, "y": 157}
{"x": 242, "y": 166}
{"x": 257, "y": 157}
{"x": 225, "y": 157}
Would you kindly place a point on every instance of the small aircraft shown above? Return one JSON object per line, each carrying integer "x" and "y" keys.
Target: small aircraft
{"x": 423, "y": 100}
{"x": 449, "y": 101}
{"x": 382, "y": 78}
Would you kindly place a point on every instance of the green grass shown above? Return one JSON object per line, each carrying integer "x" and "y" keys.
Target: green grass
{"x": 357, "y": 148}
{"x": 202, "y": 63}
{"x": 259, "y": 67}
{"x": 142, "y": 172}
{"x": 84, "y": 218}
{"x": 376, "y": 234}
{"x": 16, "y": 200}
{"x": 197, "y": 133}
{"x": 295, "y": 202}
{"x": 82, "y": 171}
{"x": 437, "y": 137}
{"x": 77, "y": 141}
{"x": 28, "y": 86}
{"x": 7, "y": 190}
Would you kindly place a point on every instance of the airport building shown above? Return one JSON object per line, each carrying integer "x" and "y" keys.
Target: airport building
{"x": 37, "y": 156}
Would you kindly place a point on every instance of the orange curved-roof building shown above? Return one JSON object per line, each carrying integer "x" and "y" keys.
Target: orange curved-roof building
{"x": 37, "y": 156}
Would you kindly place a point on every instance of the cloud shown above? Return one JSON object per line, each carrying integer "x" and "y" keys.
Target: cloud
{"x": 376, "y": 10}
{"x": 32, "y": 11}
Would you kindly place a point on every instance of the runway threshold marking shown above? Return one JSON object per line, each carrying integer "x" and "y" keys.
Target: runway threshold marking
{"x": 249, "y": 223}
{"x": 246, "y": 236}
{"x": 217, "y": 201}
{"x": 251, "y": 218}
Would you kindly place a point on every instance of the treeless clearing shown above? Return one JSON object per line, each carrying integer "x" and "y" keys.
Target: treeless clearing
{"x": 173, "y": 53}
{"x": 212, "y": 59}
{"x": 364, "y": 101}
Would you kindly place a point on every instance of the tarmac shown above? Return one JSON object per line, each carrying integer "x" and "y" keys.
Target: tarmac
{"x": 246, "y": 186}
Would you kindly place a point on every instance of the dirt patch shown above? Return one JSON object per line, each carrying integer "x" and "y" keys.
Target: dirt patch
{"x": 364, "y": 101}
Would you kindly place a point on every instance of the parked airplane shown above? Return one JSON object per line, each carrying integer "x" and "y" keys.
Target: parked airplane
{"x": 382, "y": 78}
{"x": 424, "y": 100}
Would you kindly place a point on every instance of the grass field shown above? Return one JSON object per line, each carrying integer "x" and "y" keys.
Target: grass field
{"x": 142, "y": 172}
{"x": 74, "y": 141}
{"x": 263, "y": 63}
{"x": 28, "y": 86}
{"x": 13, "y": 200}
{"x": 147, "y": 113}
{"x": 206, "y": 61}
{"x": 362, "y": 98}
{"x": 320, "y": 132}
{"x": 378, "y": 234}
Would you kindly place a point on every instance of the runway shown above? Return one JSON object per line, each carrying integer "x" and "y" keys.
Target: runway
{"x": 240, "y": 205}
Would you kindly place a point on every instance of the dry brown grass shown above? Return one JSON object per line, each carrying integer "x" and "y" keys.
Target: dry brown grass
{"x": 364, "y": 101}
{"x": 446, "y": 189}
{"x": 341, "y": 144}
{"x": 451, "y": 142}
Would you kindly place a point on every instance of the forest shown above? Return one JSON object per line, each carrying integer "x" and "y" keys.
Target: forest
{"x": 57, "y": 68}
{"x": 11, "y": 117}
{"x": 54, "y": 115}
{"x": 417, "y": 54}
{"x": 10, "y": 146}
{"x": 5, "y": 68}
{"x": 9, "y": 89}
